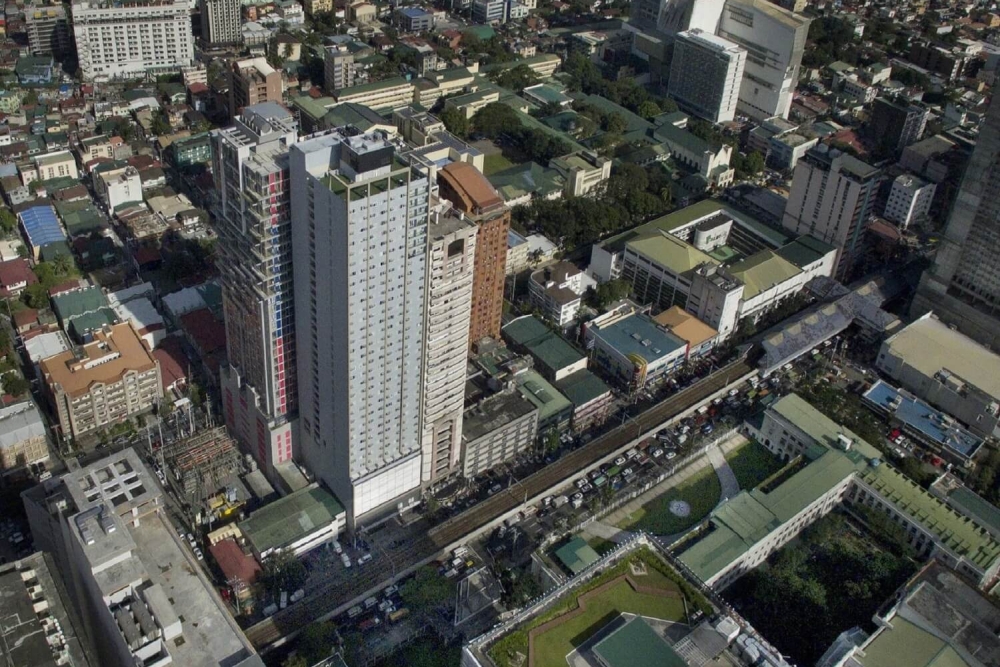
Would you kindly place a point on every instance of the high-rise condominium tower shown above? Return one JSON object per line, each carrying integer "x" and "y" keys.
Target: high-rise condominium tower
{"x": 963, "y": 286}
{"x": 359, "y": 222}
{"x": 250, "y": 163}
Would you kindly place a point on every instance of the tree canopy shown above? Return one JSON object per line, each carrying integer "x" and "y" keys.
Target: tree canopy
{"x": 426, "y": 588}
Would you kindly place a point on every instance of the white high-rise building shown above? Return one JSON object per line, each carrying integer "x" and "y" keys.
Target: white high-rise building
{"x": 673, "y": 16}
{"x": 449, "y": 311}
{"x": 125, "y": 40}
{"x": 775, "y": 39}
{"x": 909, "y": 200}
{"x": 832, "y": 198}
{"x": 221, "y": 22}
{"x": 250, "y": 164}
{"x": 705, "y": 75}
{"x": 359, "y": 242}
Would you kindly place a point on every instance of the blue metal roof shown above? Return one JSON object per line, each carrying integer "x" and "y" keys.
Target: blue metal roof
{"x": 919, "y": 416}
{"x": 41, "y": 225}
{"x": 413, "y": 12}
{"x": 640, "y": 335}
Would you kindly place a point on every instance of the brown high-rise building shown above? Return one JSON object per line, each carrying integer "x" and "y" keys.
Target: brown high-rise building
{"x": 469, "y": 192}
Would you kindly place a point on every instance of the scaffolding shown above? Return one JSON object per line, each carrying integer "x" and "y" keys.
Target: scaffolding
{"x": 201, "y": 463}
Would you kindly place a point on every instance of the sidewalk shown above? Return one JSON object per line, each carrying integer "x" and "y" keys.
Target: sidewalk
{"x": 607, "y": 528}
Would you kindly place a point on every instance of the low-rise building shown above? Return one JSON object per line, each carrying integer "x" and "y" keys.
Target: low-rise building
{"x": 415, "y": 19}
{"x": 948, "y": 370}
{"x": 113, "y": 378}
{"x": 632, "y": 348}
{"x": 23, "y": 438}
{"x": 557, "y": 291}
{"x": 583, "y": 171}
{"x": 497, "y": 430}
{"x": 381, "y": 95}
{"x": 55, "y": 165}
{"x": 118, "y": 186}
{"x": 704, "y": 158}
{"x": 554, "y": 357}
{"x": 593, "y": 401}
{"x": 700, "y": 337}
{"x": 298, "y": 523}
{"x": 15, "y": 275}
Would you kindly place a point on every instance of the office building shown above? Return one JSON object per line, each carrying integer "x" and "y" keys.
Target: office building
{"x": 116, "y": 40}
{"x": 415, "y": 19}
{"x": 23, "y": 438}
{"x": 497, "y": 430}
{"x": 221, "y": 22}
{"x": 894, "y": 125}
{"x": 112, "y": 378}
{"x": 359, "y": 242}
{"x": 705, "y": 75}
{"x": 250, "y": 164}
{"x": 963, "y": 286}
{"x": 253, "y": 81}
{"x": 774, "y": 39}
{"x": 449, "y": 312}
{"x": 669, "y": 17}
{"x": 832, "y": 199}
{"x": 142, "y": 597}
{"x": 48, "y": 30}
{"x": 469, "y": 192}
{"x": 909, "y": 200}
{"x": 338, "y": 68}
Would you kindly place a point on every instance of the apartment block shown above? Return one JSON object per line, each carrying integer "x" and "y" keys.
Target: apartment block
{"x": 832, "y": 199}
{"x": 124, "y": 40}
{"x": 469, "y": 192}
{"x": 48, "y": 29}
{"x": 253, "y": 81}
{"x": 23, "y": 438}
{"x": 910, "y": 200}
{"x": 497, "y": 430}
{"x": 338, "y": 68}
{"x": 449, "y": 310}
{"x": 360, "y": 249}
{"x": 110, "y": 379}
{"x": 221, "y": 22}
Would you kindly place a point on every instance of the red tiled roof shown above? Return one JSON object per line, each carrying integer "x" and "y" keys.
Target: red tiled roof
{"x": 208, "y": 333}
{"x": 23, "y": 318}
{"x": 233, "y": 562}
{"x": 172, "y": 360}
{"x": 13, "y": 272}
{"x": 197, "y": 88}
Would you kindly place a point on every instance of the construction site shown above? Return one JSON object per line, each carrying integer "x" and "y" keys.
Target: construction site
{"x": 205, "y": 469}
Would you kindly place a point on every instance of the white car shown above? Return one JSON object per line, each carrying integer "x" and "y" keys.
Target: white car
{"x": 620, "y": 461}
{"x": 364, "y": 559}
{"x": 577, "y": 496}
{"x": 671, "y": 455}
{"x": 657, "y": 453}
{"x": 345, "y": 559}
{"x": 198, "y": 554}
{"x": 586, "y": 488}
{"x": 580, "y": 483}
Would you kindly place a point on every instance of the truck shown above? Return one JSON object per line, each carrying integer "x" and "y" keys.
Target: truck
{"x": 354, "y": 611}
{"x": 577, "y": 503}
{"x": 370, "y": 602}
{"x": 398, "y": 615}
{"x": 460, "y": 552}
{"x": 560, "y": 501}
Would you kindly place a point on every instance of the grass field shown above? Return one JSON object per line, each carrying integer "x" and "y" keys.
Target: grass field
{"x": 701, "y": 491}
{"x": 752, "y": 464}
{"x": 494, "y": 163}
{"x": 552, "y": 647}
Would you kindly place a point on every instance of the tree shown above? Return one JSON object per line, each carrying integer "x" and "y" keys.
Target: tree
{"x": 35, "y": 296}
{"x": 495, "y": 119}
{"x": 282, "y": 571}
{"x": 615, "y": 124}
{"x": 516, "y": 78}
{"x": 552, "y": 442}
{"x": 195, "y": 393}
{"x": 611, "y": 291}
{"x": 161, "y": 124}
{"x": 456, "y": 122}
{"x": 427, "y": 588}
{"x": 7, "y": 220}
{"x": 64, "y": 264}
{"x": 295, "y": 660}
{"x": 14, "y": 384}
{"x": 649, "y": 109}
{"x": 317, "y": 641}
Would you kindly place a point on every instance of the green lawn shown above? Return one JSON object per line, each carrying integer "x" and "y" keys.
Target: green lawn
{"x": 496, "y": 162}
{"x": 552, "y": 647}
{"x": 701, "y": 492}
{"x": 752, "y": 464}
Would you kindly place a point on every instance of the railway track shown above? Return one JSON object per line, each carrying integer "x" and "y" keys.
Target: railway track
{"x": 329, "y": 598}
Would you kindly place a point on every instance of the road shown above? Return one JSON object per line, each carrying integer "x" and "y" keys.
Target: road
{"x": 329, "y": 599}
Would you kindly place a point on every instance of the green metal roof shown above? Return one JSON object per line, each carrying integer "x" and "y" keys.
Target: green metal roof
{"x": 76, "y": 303}
{"x": 542, "y": 343}
{"x": 684, "y": 138}
{"x": 958, "y": 533}
{"x": 668, "y": 222}
{"x": 582, "y": 387}
{"x": 314, "y": 108}
{"x": 576, "y": 555}
{"x": 83, "y": 324}
{"x": 291, "y": 518}
{"x": 537, "y": 391}
{"x": 635, "y": 644}
{"x": 762, "y": 271}
{"x": 670, "y": 252}
{"x": 903, "y": 643}
{"x": 805, "y": 250}
{"x": 524, "y": 179}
